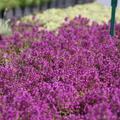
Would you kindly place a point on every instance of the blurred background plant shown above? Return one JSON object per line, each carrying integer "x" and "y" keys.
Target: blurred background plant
{"x": 19, "y": 3}
{"x": 53, "y": 18}
{"x": 5, "y": 28}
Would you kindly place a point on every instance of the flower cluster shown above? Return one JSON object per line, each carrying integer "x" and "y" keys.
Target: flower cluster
{"x": 73, "y": 74}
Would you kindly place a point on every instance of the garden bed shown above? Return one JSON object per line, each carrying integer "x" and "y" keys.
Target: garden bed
{"x": 73, "y": 74}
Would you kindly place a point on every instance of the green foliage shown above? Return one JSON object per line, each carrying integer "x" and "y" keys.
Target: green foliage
{"x": 15, "y": 3}
{"x": 8, "y": 4}
{"x": 64, "y": 113}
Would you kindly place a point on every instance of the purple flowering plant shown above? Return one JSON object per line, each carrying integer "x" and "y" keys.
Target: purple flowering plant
{"x": 73, "y": 74}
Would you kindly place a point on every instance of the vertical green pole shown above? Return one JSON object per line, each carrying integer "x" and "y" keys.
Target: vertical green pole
{"x": 114, "y": 5}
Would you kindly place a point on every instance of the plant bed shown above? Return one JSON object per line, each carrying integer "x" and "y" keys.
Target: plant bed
{"x": 52, "y": 19}
{"x": 73, "y": 74}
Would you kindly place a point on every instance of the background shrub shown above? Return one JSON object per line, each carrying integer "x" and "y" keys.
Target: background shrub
{"x": 19, "y": 3}
{"x": 53, "y": 18}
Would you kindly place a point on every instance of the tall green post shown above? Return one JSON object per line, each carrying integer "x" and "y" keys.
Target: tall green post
{"x": 114, "y": 5}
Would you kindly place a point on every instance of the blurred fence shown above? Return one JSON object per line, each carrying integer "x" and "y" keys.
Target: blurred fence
{"x": 23, "y": 11}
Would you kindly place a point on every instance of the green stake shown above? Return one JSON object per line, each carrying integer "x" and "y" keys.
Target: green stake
{"x": 114, "y": 5}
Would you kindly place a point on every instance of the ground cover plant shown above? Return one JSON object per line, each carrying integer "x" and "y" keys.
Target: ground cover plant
{"x": 73, "y": 74}
{"x": 53, "y": 18}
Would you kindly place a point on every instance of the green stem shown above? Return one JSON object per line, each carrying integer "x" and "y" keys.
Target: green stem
{"x": 112, "y": 21}
{"x": 114, "y": 5}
